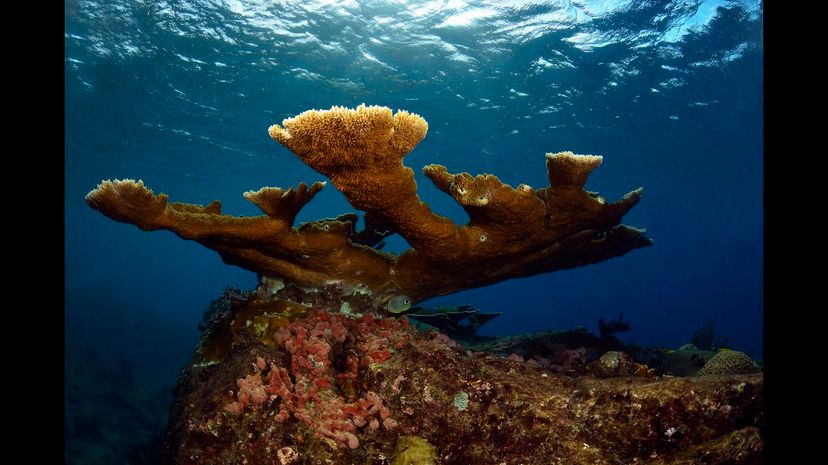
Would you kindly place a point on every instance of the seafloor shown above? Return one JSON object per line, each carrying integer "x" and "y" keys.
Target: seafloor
{"x": 317, "y": 378}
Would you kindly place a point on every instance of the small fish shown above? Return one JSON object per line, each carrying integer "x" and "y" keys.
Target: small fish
{"x": 398, "y": 304}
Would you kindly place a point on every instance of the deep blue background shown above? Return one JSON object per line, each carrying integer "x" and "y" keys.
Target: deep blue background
{"x": 181, "y": 95}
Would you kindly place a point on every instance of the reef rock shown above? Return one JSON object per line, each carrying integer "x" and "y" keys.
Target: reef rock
{"x": 342, "y": 390}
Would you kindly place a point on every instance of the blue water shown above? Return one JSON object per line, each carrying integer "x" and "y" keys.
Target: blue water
{"x": 180, "y": 94}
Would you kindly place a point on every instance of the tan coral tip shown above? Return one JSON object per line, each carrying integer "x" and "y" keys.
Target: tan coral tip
{"x": 566, "y": 168}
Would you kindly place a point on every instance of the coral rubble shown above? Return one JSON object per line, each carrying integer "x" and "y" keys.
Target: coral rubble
{"x": 512, "y": 232}
{"x": 459, "y": 323}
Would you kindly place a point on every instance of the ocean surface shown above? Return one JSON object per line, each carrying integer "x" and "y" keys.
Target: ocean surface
{"x": 180, "y": 94}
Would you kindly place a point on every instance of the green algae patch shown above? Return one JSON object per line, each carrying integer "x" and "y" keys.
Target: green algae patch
{"x": 414, "y": 450}
{"x": 263, "y": 318}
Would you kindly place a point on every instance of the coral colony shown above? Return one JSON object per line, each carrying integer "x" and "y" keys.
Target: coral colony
{"x": 319, "y": 365}
{"x": 512, "y": 232}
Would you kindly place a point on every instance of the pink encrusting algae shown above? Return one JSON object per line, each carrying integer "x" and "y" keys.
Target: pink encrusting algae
{"x": 312, "y": 390}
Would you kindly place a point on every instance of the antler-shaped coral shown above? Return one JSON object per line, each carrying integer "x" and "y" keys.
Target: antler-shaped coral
{"x": 512, "y": 232}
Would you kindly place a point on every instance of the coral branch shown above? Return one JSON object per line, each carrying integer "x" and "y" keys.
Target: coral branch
{"x": 568, "y": 169}
{"x": 488, "y": 201}
{"x": 315, "y": 253}
{"x": 280, "y": 203}
{"x": 361, "y": 151}
{"x": 512, "y": 232}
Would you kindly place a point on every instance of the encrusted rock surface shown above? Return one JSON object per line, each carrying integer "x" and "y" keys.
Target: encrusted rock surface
{"x": 513, "y": 412}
